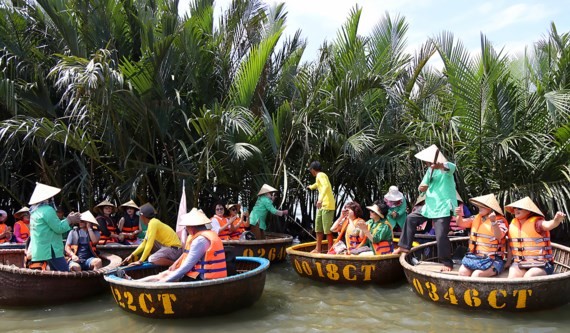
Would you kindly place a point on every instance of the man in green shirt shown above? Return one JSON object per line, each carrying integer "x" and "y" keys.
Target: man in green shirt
{"x": 325, "y": 205}
{"x": 438, "y": 185}
{"x": 46, "y": 228}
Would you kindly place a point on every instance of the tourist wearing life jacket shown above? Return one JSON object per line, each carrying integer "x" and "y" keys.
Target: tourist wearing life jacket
{"x": 158, "y": 235}
{"x": 5, "y": 230}
{"x": 487, "y": 243}
{"x": 347, "y": 226}
{"x": 396, "y": 208}
{"x": 80, "y": 246}
{"x": 263, "y": 206}
{"x": 107, "y": 224}
{"x": 203, "y": 258}
{"x": 46, "y": 229}
{"x": 129, "y": 223}
{"x": 22, "y": 227}
{"x": 438, "y": 186}
{"x": 529, "y": 239}
{"x": 239, "y": 223}
{"x": 220, "y": 223}
{"x": 378, "y": 229}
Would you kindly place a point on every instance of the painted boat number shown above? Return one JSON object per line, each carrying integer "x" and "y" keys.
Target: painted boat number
{"x": 332, "y": 271}
{"x": 144, "y": 301}
{"x": 270, "y": 255}
{"x": 472, "y": 297}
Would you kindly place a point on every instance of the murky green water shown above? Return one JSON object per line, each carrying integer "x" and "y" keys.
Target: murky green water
{"x": 293, "y": 304}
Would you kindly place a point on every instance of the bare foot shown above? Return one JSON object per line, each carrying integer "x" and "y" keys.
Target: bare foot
{"x": 315, "y": 251}
{"x": 400, "y": 250}
{"x": 446, "y": 269}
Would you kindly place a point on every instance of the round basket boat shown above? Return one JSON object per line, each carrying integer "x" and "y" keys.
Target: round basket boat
{"x": 28, "y": 287}
{"x": 344, "y": 269}
{"x": 272, "y": 248}
{"x": 119, "y": 250}
{"x": 492, "y": 293}
{"x": 189, "y": 299}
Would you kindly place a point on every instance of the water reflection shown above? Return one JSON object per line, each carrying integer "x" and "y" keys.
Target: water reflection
{"x": 293, "y": 304}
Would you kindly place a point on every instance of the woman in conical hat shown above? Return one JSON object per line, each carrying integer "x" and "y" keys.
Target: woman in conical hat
{"x": 80, "y": 244}
{"x": 438, "y": 185}
{"x": 22, "y": 226}
{"x": 5, "y": 230}
{"x": 129, "y": 225}
{"x": 110, "y": 232}
{"x": 487, "y": 246}
{"x": 529, "y": 239}
{"x": 396, "y": 207}
{"x": 47, "y": 228}
{"x": 263, "y": 205}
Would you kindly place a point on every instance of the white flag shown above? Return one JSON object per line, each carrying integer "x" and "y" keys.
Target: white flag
{"x": 181, "y": 230}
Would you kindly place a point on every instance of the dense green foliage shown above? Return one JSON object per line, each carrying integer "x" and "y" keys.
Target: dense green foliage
{"x": 126, "y": 99}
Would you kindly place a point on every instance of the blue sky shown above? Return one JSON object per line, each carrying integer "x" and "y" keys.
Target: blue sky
{"x": 511, "y": 25}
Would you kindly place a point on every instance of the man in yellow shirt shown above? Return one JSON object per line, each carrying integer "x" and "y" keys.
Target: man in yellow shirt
{"x": 325, "y": 205}
{"x": 169, "y": 246}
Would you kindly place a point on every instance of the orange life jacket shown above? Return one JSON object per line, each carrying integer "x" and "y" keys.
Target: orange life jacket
{"x": 213, "y": 263}
{"x": 3, "y": 229}
{"x": 483, "y": 241}
{"x": 353, "y": 241}
{"x": 223, "y": 234}
{"x": 24, "y": 230}
{"x": 236, "y": 233}
{"x": 526, "y": 243}
{"x": 385, "y": 246}
{"x": 111, "y": 227}
{"x": 75, "y": 247}
{"x": 131, "y": 225}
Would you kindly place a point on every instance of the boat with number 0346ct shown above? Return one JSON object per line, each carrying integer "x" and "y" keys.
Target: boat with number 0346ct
{"x": 28, "y": 287}
{"x": 189, "y": 299}
{"x": 344, "y": 269}
{"x": 500, "y": 293}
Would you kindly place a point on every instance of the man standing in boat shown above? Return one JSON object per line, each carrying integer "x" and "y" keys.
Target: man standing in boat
{"x": 438, "y": 186}
{"x": 325, "y": 205}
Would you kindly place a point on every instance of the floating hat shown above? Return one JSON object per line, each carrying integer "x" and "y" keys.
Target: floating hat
{"x": 130, "y": 204}
{"x": 43, "y": 192}
{"x": 266, "y": 189}
{"x": 196, "y": 217}
{"x": 104, "y": 203}
{"x": 394, "y": 194}
{"x": 375, "y": 209}
{"x": 86, "y": 216}
{"x": 488, "y": 201}
{"x": 524, "y": 203}
{"x": 147, "y": 210}
{"x": 21, "y": 212}
{"x": 230, "y": 206}
{"x": 428, "y": 155}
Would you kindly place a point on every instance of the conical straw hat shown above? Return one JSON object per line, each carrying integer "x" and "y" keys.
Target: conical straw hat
{"x": 196, "y": 217}
{"x": 524, "y": 203}
{"x": 488, "y": 201}
{"x": 266, "y": 189}
{"x": 376, "y": 210}
{"x": 19, "y": 213}
{"x": 43, "y": 192}
{"x": 420, "y": 199}
{"x": 130, "y": 204}
{"x": 86, "y": 216}
{"x": 428, "y": 155}
{"x": 104, "y": 203}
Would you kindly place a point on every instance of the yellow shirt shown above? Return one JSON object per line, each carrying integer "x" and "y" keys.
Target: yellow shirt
{"x": 160, "y": 232}
{"x": 325, "y": 191}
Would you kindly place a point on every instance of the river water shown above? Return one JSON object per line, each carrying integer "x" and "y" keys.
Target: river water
{"x": 293, "y": 304}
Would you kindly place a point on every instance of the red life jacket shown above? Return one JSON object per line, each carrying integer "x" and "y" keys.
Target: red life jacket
{"x": 3, "y": 229}
{"x": 483, "y": 241}
{"x": 353, "y": 241}
{"x": 111, "y": 227}
{"x": 236, "y": 233}
{"x": 131, "y": 225}
{"x": 24, "y": 230}
{"x": 213, "y": 263}
{"x": 526, "y": 243}
{"x": 223, "y": 234}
